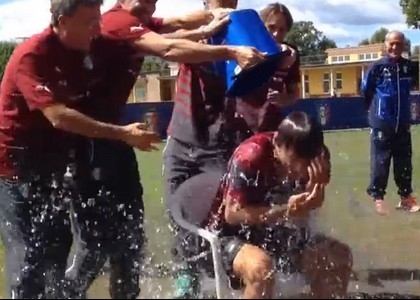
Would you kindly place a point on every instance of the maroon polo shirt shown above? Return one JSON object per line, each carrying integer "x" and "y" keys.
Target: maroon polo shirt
{"x": 110, "y": 100}
{"x": 260, "y": 115}
{"x": 42, "y": 72}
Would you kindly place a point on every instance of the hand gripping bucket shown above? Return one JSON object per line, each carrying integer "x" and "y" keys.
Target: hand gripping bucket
{"x": 246, "y": 29}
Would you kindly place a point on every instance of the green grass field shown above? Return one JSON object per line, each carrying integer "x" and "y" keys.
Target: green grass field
{"x": 348, "y": 214}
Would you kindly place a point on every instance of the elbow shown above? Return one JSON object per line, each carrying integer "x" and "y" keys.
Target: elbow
{"x": 57, "y": 122}
{"x": 230, "y": 217}
{"x": 56, "y": 116}
{"x": 168, "y": 50}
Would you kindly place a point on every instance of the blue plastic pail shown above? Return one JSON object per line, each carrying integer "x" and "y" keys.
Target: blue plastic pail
{"x": 246, "y": 29}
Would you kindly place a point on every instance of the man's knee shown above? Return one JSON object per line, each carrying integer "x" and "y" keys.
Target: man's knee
{"x": 328, "y": 254}
{"x": 125, "y": 275}
{"x": 253, "y": 265}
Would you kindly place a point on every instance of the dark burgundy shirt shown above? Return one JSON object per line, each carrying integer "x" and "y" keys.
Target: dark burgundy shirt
{"x": 200, "y": 107}
{"x": 110, "y": 100}
{"x": 41, "y": 72}
{"x": 260, "y": 115}
{"x": 250, "y": 177}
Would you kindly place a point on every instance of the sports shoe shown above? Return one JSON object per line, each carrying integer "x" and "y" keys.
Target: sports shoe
{"x": 409, "y": 204}
{"x": 381, "y": 207}
{"x": 185, "y": 285}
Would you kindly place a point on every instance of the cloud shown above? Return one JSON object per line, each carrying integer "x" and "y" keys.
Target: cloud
{"x": 345, "y": 21}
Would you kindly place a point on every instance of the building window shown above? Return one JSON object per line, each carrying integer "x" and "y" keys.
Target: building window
{"x": 139, "y": 93}
{"x": 326, "y": 82}
{"x": 306, "y": 83}
{"x": 340, "y": 58}
{"x": 368, "y": 56}
{"x": 338, "y": 81}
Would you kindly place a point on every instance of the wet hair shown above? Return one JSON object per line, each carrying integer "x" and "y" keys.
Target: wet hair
{"x": 301, "y": 133}
{"x": 277, "y": 8}
{"x": 68, "y": 8}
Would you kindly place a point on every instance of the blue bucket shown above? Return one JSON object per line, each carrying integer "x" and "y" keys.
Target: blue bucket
{"x": 246, "y": 29}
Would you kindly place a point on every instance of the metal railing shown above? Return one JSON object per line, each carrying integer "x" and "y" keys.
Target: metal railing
{"x": 320, "y": 59}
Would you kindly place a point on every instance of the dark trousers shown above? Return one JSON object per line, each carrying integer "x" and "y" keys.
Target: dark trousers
{"x": 384, "y": 146}
{"x": 36, "y": 233}
{"x": 181, "y": 162}
{"x": 108, "y": 222}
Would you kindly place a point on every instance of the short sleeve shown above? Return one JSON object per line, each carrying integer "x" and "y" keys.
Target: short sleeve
{"x": 293, "y": 76}
{"x": 244, "y": 185}
{"x": 33, "y": 79}
{"x": 156, "y": 24}
{"x": 121, "y": 24}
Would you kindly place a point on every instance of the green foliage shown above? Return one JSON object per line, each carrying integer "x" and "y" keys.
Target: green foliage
{"x": 411, "y": 10}
{"x": 153, "y": 64}
{"x": 6, "y": 50}
{"x": 309, "y": 40}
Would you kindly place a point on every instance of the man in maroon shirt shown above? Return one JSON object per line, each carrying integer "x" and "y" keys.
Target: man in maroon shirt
{"x": 47, "y": 80}
{"x": 201, "y": 137}
{"x": 257, "y": 216}
{"x": 261, "y": 109}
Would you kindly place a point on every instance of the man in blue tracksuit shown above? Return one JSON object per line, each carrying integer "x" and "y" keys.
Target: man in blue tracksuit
{"x": 386, "y": 90}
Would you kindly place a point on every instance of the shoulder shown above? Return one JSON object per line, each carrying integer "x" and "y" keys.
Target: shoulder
{"x": 378, "y": 66}
{"x": 384, "y": 61}
{"x": 407, "y": 63}
{"x": 325, "y": 152}
{"x": 38, "y": 49}
{"x": 107, "y": 47}
{"x": 254, "y": 151}
{"x": 294, "y": 47}
{"x": 40, "y": 44}
{"x": 156, "y": 24}
{"x": 118, "y": 22}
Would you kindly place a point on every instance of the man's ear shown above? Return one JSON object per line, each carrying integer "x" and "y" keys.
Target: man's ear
{"x": 61, "y": 20}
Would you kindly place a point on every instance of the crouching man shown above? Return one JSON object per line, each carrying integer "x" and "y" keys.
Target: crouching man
{"x": 257, "y": 219}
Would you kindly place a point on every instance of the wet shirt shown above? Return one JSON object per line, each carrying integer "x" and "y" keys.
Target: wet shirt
{"x": 201, "y": 111}
{"x": 111, "y": 98}
{"x": 42, "y": 72}
{"x": 252, "y": 179}
{"x": 260, "y": 114}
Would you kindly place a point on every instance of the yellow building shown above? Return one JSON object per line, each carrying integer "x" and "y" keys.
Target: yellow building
{"x": 153, "y": 87}
{"x": 339, "y": 72}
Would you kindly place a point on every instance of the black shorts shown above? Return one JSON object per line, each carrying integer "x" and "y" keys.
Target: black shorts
{"x": 286, "y": 250}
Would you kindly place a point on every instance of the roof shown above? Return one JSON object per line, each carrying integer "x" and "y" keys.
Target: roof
{"x": 356, "y": 49}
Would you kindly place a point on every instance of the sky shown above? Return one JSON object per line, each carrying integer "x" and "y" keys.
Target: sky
{"x": 345, "y": 21}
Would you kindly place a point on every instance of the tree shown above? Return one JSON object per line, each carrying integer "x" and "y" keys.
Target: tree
{"x": 364, "y": 42}
{"x": 6, "y": 50}
{"x": 326, "y": 43}
{"x": 379, "y": 36}
{"x": 416, "y": 51}
{"x": 411, "y": 10}
{"x": 309, "y": 40}
{"x": 153, "y": 64}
